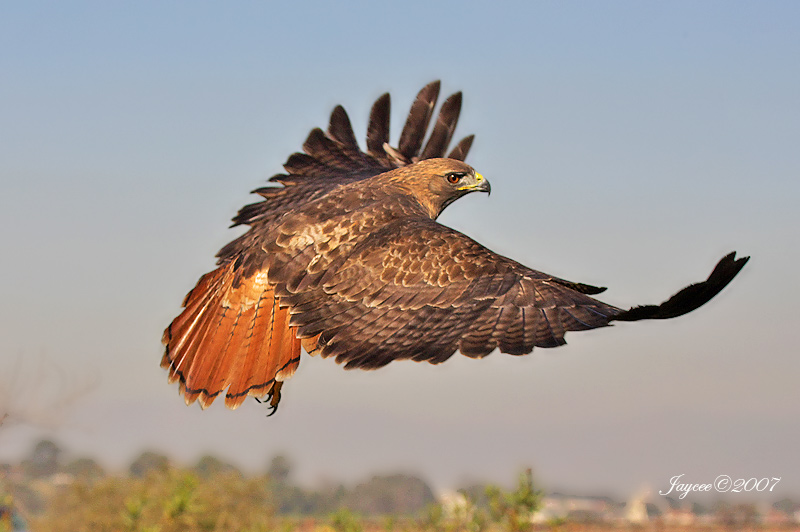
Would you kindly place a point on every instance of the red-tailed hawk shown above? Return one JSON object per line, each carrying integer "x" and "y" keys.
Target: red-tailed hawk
{"x": 345, "y": 258}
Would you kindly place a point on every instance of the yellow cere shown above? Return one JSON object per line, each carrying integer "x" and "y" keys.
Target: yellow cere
{"x": 478, "y": 179}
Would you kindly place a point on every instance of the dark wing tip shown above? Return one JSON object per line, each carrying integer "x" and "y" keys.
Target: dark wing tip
{"x": 419, "y": 117}
{"x": 462, "y": 148}
{"x": 339, "y": 128}
{"x": 444, "y": 127}
{"x": 691, "y": 297}
{"x": 378, "y": 127}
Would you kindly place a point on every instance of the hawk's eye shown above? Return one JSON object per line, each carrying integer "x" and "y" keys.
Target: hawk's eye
{"x": 455, "y": 177}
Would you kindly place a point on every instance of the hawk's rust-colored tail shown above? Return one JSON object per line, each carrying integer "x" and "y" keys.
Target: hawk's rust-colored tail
{"x": 235, "y": 338}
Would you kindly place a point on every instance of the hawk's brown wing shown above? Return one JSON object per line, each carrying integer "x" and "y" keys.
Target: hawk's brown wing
{"x": 233, "y": 337}
{"x": 419, "y": 290}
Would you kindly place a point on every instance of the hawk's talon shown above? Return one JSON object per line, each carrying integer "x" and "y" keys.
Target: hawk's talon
{"x": 273, "y": 398}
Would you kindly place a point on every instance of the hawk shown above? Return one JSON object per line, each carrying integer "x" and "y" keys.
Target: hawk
{"x": 345, "y": 258}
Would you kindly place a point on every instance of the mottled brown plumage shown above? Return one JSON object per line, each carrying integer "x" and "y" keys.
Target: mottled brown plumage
{"x": 345, "y": 258}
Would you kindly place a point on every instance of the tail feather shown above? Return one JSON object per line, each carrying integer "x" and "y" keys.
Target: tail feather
{"x": 188, "y": 344}
{"x": 254, "y": 356}
{"x": 288, "y": 369}
{"x": 235, "y": 338}
{"x": 187, "y": 331}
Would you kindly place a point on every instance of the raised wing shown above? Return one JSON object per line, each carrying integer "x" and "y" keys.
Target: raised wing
{"x": 419, "y": 290}
{"x": 333, "y": 157}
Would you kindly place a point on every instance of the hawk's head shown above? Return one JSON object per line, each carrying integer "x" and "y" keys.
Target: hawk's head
{"x": 436, "y": 183}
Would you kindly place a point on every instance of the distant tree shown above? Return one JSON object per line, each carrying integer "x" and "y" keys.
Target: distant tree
{"x": 149, "y": 461}
{"x": 85, "y": 469}
{"x": 393, "y": 494}
{"x": 280, "y": 468}
{"x": 673, "y": 503}
{"x": 653, "y": 511}
{"x": 44, "y": 460}
{"x": 699, "y": 509}
{"x": 786, "y": 506}
{"x": 209, "y": 466}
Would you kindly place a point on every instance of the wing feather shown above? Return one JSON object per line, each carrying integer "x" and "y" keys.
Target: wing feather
{"x": 444, "y": 128}
{"x": 419, "y": 290}
{"x": 378, "y": 128}
{"x": 341, "y": 130}
{"x": 417, "y": 122}
{"x": 462, "y": 148}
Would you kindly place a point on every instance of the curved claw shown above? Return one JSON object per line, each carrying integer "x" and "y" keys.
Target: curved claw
{"x": 273, "y": 398}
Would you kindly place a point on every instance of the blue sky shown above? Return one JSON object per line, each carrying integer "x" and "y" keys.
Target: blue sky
{"x": 629, "y": 144}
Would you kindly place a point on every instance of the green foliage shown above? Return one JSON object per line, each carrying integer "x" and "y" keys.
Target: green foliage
{"x": 182, "y": 502}
{"x": 132, "y": 513}
{"x": 344, "y": 520}
{"x": 434, "y": 518}
{"x": 170, "y": 501}
{"x": 214, "y": 496}
{"x": 514, "y": 509}
{"x": 279, "y": 470}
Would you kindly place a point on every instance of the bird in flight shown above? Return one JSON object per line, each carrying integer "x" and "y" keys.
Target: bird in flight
{"x": 345, "y": 258}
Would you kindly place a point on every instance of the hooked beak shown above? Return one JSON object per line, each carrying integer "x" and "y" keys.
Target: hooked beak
{"x": 481, "y": 185}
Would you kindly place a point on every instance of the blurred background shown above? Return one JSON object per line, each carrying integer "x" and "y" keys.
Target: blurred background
{"x": 629, "y": 145}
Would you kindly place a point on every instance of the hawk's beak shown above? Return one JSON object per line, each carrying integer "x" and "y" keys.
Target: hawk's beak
{"x": 481, "y": 185}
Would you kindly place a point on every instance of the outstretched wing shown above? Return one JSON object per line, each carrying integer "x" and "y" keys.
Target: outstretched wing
{"x": 419, "y": 290}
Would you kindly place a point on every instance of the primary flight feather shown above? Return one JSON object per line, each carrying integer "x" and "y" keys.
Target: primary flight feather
{"x": 345, "y": 258}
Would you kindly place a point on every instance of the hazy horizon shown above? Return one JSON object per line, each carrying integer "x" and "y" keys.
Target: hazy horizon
{"x": 629, "y": 145}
